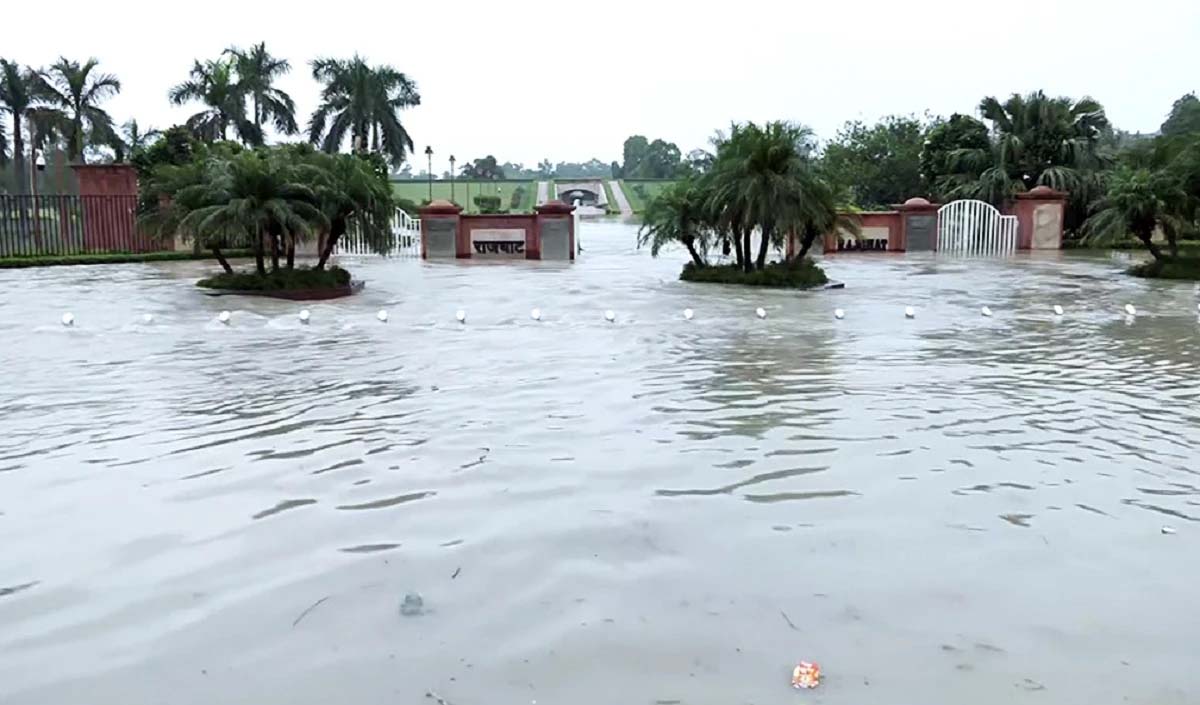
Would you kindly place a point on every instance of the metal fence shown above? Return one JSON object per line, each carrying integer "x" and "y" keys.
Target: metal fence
{"x": 71, "y": 225}
{"x": 970, "y": 227}
{"x": 406, "y": 234}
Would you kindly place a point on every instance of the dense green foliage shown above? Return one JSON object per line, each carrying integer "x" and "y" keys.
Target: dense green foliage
{"x": 485, "y": 169}
{"x": 75, "y": 91}
{"x": 644, "y": 159}
{"x": 108, "y": 258}
{"x": 798, "y": 274}
{"x": 943, "y": 141}
{"x": 487, "y": 204}
{"x": 281, "y": 280}
{"x": 877, "y": 165}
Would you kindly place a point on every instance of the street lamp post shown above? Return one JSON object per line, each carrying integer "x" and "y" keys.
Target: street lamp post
{"x": 429, "y": 156}
{"x": 452, "y": 179}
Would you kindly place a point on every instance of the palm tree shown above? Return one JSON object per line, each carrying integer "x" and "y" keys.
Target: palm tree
{"x": 256, "y": 73}
{"x": 1137, "y": 201}
{"x": 677, "y": 214}
{"x": 352, "y": 197}
{"x": 762, "y": 180}
{"x": 22, "y": 95}
{"x": 132, "y": 140}
{"x": 362, "y": 102}
{"x": 1036, "y": 140}
{"x": 77, "y": 91}
{"x": 214, "y": 84}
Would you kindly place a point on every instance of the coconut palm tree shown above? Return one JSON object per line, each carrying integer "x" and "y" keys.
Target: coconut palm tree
{"x": 214, "y": 84}
{"x": 257, "y": 71}
{"x": 77, "y": 90}
{"x": 677, "y": 214}
{"x": 363, "y": 103}
{"x": 22, "y": 97}
{"x": 1137, "y": 201}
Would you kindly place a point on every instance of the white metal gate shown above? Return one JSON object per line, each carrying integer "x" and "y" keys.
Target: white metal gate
{"x": 975, "y": 228}
{"x": 406, "y": 234}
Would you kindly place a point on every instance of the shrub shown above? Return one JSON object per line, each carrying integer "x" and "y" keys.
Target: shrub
{"x": 112, "y": 258}
{"x": 282, "y": 280}
{"x": 487, "y": 204}
{"x": 518, "y": 195}
{"x": 803, "y": 274}
{"x": 1179, "y": 268}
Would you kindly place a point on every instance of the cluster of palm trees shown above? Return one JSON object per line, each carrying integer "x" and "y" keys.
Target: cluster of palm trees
{"x": 60, "y": 104}
{"x": 763, "y": 180}
{"x": 360, "y": 103}
{"x": 269, "y": 200}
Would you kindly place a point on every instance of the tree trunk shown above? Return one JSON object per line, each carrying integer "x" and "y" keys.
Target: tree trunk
{"x": 291, "y": 251}
{"x": 806, "y": 243}
{"x": 747, "y": 263}
{"x": 1147, "y": 239}
{"x": 259, "y": 255}
{"x": 761, "y": 260}
{"x": 690, "y": 243}
{"x": 374, "y": 137}
{"x": 736, "y": 237}
{"x": 19, "y": 156}
{"x": 221, "y": 259}
{"x": 275, "y": 248}
{"x": 330, "y": 242}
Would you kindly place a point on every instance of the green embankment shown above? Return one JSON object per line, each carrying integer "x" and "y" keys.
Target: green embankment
{"x": 639, "y": 192}
{"x": 113, "y": 258}
{"x": 464, "y": 192}
{"x": 612, "y": 208}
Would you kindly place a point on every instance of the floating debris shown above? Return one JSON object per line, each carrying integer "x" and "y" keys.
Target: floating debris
{"x": 806, "y": 676}
{"x": 413, "y": 605}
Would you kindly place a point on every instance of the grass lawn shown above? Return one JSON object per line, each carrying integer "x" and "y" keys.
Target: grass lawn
{"x": 640, "y": 192}
{"x": 113, "y": 258}
{"x": 418, "y": 192}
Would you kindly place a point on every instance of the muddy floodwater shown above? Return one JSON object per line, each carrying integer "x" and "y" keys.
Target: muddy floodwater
{"x": 949, "y": 509}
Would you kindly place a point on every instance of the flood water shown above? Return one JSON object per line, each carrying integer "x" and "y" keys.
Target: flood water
{"x": 951, "y": 509}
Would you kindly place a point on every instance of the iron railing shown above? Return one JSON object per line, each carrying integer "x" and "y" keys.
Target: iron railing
{"x": 31, "y": 226}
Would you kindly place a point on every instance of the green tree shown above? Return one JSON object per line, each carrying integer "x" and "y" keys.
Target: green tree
{"x": 1137, "y": 201}
{"x": 1184, "y": 118}
{"x": 363, "y": 103}
{"x": 633, "y": 152}
{"x": 257, "y": 71}
{"x": 23, "y": 96}
{"x": 353, "y": 196}
{"x": 1037, "y": 140}
{"x": 77, "y": 90}
{"x": 132, "y": 140}
{"x": 678, "y": 214}
{"x": 942, "y": 144}
{"x": 878, "y": 165}
{"x": 484, "y": 169}
{"x": 214, "y": 84}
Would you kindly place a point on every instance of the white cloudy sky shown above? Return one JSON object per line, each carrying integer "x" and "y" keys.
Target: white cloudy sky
{"x": 527, "y": 81}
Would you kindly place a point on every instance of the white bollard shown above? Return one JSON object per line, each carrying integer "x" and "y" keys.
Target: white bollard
{"x": 761, "y": 312}
{"x": 460, "y": 315}
{"x": 536, "y": 314}
{"x": 610, "y": 316}
{"x": 382, "y": 316}
{"x": 224, "y": 317}
{"x": 1058, "y": 310}
{"x": 910, "y": 312}
{"x": 987, "y": 312}
{"x": 688, "y": 314}
{"x": 839, "y": 314}
{"x": 68, "y": 319}
{"x": 1130, "y": 310}
{"x": 1168, "y": 530}
{"x": 304, "y": 316}
{"x": 148, "y": 318}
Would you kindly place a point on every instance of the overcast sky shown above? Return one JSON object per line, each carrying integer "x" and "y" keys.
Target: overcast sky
{"x": 530, "y": 81}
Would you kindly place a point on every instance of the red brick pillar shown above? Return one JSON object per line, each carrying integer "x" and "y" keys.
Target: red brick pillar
{"x": 1040, "y": 213}
{"x": 553, "y": 233}
{"x": 109, "y": 194}
{"x": 441, "y": 236}
{"x": 918, "y": 226}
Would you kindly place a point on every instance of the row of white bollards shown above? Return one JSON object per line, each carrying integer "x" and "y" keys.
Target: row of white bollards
{"x": 225, "y": 317}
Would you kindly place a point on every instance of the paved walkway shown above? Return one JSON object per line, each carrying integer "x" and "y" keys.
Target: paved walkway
{"x": 543, "y": 195}
{"x": 622, "y": 202}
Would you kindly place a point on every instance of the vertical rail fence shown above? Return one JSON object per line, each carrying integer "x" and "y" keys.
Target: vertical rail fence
{"x": 32, "y": 226}
{"x": 970, "y": 227}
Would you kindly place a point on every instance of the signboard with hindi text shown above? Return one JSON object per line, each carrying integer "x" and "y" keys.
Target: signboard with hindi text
{"x": 498, "y": 243}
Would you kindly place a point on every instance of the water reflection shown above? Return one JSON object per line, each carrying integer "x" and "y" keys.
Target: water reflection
{"x": 601, "y": 511}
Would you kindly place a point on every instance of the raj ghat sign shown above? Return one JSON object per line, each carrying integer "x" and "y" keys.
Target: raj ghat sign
{"x": 547, "y": 234}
